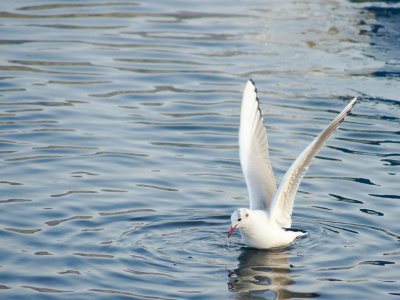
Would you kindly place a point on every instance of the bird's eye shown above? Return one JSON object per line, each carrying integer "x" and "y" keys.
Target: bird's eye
{"x": 240, "y": 219}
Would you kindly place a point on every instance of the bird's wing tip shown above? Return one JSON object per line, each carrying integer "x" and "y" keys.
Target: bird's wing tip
{"x": 354, "y": 101}
{"x": 251, "y": 85}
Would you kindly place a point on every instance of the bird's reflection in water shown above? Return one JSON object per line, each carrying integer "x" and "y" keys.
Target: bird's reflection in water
{"x": 263, "y": 274}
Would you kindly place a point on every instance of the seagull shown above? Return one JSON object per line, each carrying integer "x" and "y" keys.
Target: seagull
{"x": 267, "y": 223}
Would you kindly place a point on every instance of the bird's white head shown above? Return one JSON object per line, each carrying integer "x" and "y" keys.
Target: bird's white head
{"x": 239, "y": 218}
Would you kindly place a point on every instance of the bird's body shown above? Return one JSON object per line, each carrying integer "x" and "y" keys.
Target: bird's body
{"x": 267, "y": 223}
{"x": 262, "y": 233}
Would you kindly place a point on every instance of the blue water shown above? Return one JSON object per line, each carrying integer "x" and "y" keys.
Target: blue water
{"x": 119, "y": 156}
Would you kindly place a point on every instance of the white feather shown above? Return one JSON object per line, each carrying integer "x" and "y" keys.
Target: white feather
{"x": 282, "y": 203}
{"x": 265, "y": 224}
{"x": 254, "y": 154}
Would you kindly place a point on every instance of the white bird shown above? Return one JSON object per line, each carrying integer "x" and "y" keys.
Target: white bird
{"x": 267, "y": 223}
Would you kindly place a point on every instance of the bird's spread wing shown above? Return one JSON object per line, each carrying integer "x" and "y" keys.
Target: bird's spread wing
{"x": 254, "y": 155}
{"x": 282, "y": 204}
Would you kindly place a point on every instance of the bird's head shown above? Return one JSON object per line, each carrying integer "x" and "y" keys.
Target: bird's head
{"x": 239, "y": 218}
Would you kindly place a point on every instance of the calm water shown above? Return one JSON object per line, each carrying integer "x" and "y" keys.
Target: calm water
{"x": 119, "y": 156}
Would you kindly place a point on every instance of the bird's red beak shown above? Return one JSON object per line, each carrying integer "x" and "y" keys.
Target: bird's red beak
{"x": 232, "y": 230}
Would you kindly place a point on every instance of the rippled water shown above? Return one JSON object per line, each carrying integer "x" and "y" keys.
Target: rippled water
{"x": 119, "y": 156}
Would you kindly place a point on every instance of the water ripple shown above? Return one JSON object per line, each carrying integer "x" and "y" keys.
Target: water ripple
{"x": 119, "y": 151}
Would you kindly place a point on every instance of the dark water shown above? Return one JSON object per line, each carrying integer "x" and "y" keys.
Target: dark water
{"x": 119, "y": 156}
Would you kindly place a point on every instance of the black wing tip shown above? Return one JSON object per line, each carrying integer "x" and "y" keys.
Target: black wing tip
{"x": 295, "y": 230}
{"x": 254, "y": 84}
{"x": 353, "y": 103}
{"x": 356, "y": 99}
{"x": 257, "y": 99}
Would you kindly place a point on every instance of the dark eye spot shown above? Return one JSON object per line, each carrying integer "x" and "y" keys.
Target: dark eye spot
{"x": 240, "y": 219}
{"x": 247, "y": 215}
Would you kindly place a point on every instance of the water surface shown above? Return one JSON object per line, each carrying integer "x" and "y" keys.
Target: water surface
{"x": 119, "y": 156}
